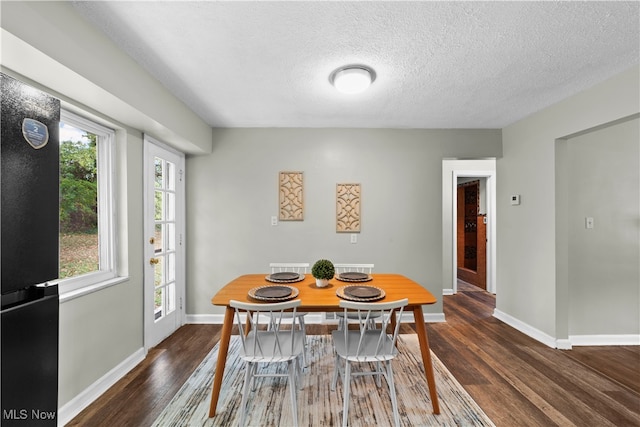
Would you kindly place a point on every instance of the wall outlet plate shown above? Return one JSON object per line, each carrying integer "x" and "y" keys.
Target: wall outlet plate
{"x": 515, "y": 199}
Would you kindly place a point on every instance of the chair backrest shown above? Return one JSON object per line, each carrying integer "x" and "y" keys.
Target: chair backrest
{"x": 347, "y": 268}
{"x": 275, "y": 344}
{"x": 369, "y": 342}
{"x": 295, "y": 267}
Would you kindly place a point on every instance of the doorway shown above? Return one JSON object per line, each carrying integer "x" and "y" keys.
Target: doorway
{"x": 164, "y": 271}
{"x": 471, "y": 226}
{"x": 452, "y": 170}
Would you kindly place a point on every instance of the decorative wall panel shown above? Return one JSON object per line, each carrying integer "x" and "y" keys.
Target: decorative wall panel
{"x": 348, "y": 208}
{"x": 291, "y": 196}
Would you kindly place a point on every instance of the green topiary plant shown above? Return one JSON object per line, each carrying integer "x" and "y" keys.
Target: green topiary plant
{"x": 323, "y": 269}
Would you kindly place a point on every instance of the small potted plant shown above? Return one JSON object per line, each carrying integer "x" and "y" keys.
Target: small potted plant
{"x": 323, "y": 271}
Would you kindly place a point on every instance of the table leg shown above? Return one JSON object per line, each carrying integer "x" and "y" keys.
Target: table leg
{"x": 247, "y": 323}
{"x": 421, "y": 329}
{"x": 394, "y": 322}
{"x": 222, "y": 360}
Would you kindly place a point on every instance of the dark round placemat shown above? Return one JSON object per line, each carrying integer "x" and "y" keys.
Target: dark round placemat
{"x": 354, "y": 275}
{"x": 274, "y": 292}
{"x": 284, "y": 275}
{"x": 362, "y": 291}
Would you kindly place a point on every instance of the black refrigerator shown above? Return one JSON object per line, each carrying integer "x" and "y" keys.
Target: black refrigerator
{"x": 29, "y": 223}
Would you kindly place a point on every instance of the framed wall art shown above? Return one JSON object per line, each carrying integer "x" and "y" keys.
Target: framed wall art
{"x": 291, "y": 200}
{"x": 348, "y": 208}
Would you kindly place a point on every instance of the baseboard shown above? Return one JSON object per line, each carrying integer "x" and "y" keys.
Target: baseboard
{"x": 312, "y": 318}
{"x": 562, "y": 344}
{"x": 526, "y": 329}
{"x": 597, "y": 340}
{"x": 205, "y": 319}
{"x": 448, "y": 291}
{"x": 573, "y": 340}
{"x": 95, "y": 390}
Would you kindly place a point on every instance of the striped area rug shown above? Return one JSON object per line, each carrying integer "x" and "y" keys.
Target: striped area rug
{"x": 270, "y": 405}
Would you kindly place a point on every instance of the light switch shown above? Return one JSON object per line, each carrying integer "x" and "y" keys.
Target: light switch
{"x": 588, "y": 222}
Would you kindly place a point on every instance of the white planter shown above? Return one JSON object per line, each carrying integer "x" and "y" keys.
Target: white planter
{"x": 322, "y": 283}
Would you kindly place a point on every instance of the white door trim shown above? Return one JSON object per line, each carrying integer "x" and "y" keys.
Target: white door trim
{"x": 151, "y": 145}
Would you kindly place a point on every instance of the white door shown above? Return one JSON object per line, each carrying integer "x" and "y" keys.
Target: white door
{"x": 163, "y": 241}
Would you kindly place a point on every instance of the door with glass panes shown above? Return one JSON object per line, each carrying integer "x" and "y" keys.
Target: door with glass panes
{"x": 164, "y": 241}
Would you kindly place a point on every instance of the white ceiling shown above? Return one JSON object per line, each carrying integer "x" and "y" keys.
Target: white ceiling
{"x": 438, "y": 64}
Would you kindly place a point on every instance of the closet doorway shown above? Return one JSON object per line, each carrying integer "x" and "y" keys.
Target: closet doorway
{"x": 471, "y": 224}
{"x": 454, "y": 172}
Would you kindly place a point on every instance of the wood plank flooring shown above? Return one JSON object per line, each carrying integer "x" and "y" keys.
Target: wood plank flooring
{"x": 516, "y": 380}
{"x": 520, "y": 382}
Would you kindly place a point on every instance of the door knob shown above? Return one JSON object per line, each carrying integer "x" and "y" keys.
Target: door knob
{"x": 154, "y": 261}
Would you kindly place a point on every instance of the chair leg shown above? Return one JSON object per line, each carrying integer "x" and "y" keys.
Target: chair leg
{"x": 380, "y": 372}
{"x": 346, "y": 387}
{"x": 304, "y": 337}
{"x": 298, "y": 363}
{"x": 292, "y": 389}
{"x": 248, "y": 376}
{"x": 392, "y": 393}
{"x": 336, "y": 369}
{"x": 372, "y": 323}
{"x": 254, "y": 369}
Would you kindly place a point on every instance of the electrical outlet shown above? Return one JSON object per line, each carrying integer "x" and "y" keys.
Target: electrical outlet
{"x": 354, "y": 238}
{"x": 588, "y": 222}
{"x": 274, "y": 220}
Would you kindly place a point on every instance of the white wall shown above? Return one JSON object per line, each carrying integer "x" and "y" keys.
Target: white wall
{"x": 604, "y": 268}
{"x": 532, "y": 255}
{"x": 233, "y": 192}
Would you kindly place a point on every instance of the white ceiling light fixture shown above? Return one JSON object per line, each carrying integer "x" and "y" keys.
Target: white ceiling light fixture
{"x": 352, "y": 78}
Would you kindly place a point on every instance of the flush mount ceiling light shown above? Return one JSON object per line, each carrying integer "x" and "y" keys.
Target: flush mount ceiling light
{"x": 352, "y": 78}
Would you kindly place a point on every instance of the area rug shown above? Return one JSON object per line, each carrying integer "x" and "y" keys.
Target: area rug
{"x": 369, "y": 406}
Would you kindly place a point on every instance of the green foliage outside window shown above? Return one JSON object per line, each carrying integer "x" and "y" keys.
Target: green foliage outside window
{"x": 78, "y": 186}
{"x": 78, "y": 207}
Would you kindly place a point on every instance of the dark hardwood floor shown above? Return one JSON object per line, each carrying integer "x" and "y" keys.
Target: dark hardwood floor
{"x": 520, "y": 382}
{"x": 516, "y": 380}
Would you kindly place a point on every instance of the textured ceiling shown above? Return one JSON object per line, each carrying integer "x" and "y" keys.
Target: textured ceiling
{"x": 438, "y": 64}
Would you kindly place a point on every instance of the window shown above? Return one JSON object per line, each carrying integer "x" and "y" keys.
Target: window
{"x": 86, "y": 203}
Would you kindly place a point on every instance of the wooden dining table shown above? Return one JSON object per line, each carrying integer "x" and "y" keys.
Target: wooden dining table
{"x": 315, "y": 299}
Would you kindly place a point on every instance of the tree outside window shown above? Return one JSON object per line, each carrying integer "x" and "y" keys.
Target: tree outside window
{"x": 79, "y": 250}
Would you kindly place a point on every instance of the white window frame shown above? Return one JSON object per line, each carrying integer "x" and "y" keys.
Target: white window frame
{"x": 106, "y": 275}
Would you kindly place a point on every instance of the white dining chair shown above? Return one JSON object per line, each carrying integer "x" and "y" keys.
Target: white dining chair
{"x": 294, "y": 267}
{"x": 368, "y": 347}
{"x": 348, "y": 268}
{"x": 360, "y": 268}
{"x": 268, "y": 346}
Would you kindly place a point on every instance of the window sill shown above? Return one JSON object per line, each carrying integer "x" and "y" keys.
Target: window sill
{"x": 86, "y": 290}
